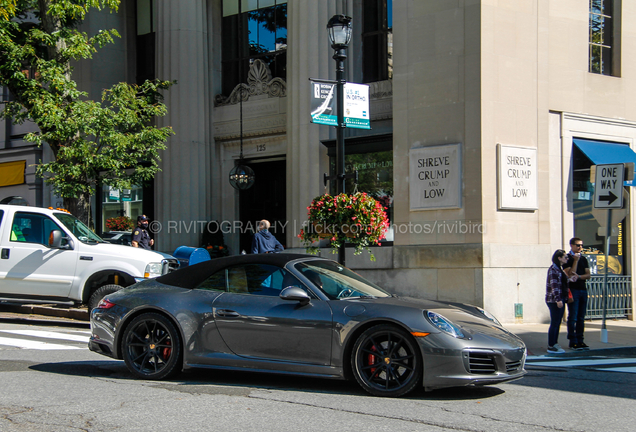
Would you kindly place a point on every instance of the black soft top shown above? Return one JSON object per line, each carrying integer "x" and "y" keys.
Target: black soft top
{"x": 192, "y": 276}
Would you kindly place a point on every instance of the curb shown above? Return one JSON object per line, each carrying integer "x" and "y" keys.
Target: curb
{"x": 78, "y": 314}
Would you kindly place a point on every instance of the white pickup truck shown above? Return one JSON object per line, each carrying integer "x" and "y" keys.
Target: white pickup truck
{"x": 49, "y": 256}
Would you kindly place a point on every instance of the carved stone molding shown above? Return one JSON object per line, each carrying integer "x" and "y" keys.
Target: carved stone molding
{"x": 259, "y": 82}
{"x": 381, "y": 89}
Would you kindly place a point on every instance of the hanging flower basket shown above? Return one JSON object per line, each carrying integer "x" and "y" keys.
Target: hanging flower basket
{"x": 357, "y": 219}
{"x": 321, "y": 230}
{"x": 326, "y": 231}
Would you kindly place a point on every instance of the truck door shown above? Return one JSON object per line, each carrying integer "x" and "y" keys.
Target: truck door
{"x": 28, "y": 266}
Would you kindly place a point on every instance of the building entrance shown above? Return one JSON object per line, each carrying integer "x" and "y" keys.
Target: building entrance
{"x": 265, "y": 200}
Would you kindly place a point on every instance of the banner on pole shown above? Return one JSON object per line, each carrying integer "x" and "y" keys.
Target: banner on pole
{"x": 356, "y": 104}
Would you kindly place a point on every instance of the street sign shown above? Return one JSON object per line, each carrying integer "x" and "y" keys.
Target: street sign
{"x": 617, "y": 216}
{"x": 608, "y": 187}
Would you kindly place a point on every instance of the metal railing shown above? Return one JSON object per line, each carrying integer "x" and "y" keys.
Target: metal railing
{"x": 619, "y": 297}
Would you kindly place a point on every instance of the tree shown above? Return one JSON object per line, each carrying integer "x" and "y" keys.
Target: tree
{"x": 7, "y": 9}
{"x": 92, "y": 142}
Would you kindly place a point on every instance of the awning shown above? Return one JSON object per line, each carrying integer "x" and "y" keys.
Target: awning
{"x": 12, "y": 173}
{"x": 601, "y": 153}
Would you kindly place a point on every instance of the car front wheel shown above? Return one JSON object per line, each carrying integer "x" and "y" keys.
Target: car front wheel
{"x": 152, "y": 347}
{"x": 386, "y": 361}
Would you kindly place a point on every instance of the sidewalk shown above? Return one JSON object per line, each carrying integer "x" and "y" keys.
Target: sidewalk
{"x": 621, "y": 338}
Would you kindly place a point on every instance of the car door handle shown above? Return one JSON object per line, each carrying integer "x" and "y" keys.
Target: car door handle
{"x": 227, "y": 313}
{"x": 5, "y": 254}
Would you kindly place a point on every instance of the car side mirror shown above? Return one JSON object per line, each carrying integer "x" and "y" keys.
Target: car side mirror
{"x": 55, "y": 240}
{"x": 294, "y": 293}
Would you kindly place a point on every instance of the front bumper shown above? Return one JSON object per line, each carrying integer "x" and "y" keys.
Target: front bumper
{"x": 471, "y": 364}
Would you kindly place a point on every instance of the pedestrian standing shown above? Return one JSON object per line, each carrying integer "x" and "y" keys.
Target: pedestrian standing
{"x": 141, "y": 237}
{"x": 556, "y": 295}
{"x": 578, "y": 270}
{"x": 264, "y": 241}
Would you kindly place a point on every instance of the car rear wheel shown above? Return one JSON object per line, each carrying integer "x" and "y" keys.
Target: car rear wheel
{"x": 386, "y": 361}
{"x": 152, "y": 347}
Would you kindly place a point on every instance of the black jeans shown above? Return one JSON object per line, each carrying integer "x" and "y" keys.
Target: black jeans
{"x": 556, "y": 316}
{"x": 576, "y": 316}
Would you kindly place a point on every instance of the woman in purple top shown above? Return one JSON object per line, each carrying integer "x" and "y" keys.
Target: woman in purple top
{"x": 556, "y": 295}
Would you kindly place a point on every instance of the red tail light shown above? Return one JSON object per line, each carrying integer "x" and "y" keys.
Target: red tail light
{"x": 105, "y": 304}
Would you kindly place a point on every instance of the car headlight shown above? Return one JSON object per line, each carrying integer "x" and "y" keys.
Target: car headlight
{"x": 153, "y": 270}
{"x": 444, "y": 324}
{"x": 488, "y": 315}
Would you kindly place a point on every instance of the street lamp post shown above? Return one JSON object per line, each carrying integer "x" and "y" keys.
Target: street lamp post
{"x": 339, "y": 28}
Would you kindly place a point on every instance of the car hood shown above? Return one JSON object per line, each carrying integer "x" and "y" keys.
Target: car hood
{"x": 123, "y": 251}
{"x": 472, "y": 322}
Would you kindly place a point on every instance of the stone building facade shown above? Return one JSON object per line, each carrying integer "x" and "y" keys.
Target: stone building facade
{"x": 543, "y": 81}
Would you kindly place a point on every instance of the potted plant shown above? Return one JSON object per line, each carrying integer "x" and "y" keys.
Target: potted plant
{"x": 120, "y": 223}
{"x": 357, "y": 219}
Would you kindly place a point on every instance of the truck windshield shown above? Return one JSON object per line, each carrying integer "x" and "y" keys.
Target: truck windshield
{"x": 79, "y": 230}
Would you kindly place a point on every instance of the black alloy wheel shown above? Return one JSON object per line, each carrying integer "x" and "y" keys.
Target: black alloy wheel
{"x": 152, "y": 347}
{"x": 386, "y": 361}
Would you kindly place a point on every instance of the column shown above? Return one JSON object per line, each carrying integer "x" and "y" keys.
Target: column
{"x": 182, "y": 188}
{"x": 309, "y": 55}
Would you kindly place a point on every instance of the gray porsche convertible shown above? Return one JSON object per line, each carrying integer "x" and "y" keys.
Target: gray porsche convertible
{"x": 305, "y": 315}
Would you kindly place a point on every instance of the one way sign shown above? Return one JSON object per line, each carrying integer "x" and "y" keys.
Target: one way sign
{"x": 608, "y": 187}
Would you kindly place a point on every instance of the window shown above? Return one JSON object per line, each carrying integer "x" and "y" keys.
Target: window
{"x": 586, "y": 225}
{"x": 124, "y": 202}
{"x": 602, "y": 40}
{"x": 253, "y": 29}
{"x": 32, "y": 228}
{"x": 372, "y": 157}
{"x": 146, "y": 28}
{"x": 257, "y": 279}
{"x": 377, "y": 40}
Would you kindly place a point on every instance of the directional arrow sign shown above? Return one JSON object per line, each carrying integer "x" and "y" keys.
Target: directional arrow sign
{"x": 610, "y": 198}
{"x": 608, "y": 186}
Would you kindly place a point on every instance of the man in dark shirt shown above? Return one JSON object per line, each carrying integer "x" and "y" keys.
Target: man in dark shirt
{"x": 264, "y": 241}
{"x": 141, "y": 237}
{"x": 578, "y": 271}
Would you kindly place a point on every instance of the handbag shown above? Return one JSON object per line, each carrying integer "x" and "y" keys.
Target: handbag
{"x": 570, "y": 298}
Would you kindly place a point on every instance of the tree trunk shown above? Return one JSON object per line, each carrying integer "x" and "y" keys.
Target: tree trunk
{"x": 80, "y": 208}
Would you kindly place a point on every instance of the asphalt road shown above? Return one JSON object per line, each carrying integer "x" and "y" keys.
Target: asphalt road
{"x": 49, "y": 381}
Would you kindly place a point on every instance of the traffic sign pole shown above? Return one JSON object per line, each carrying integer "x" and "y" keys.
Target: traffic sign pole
{"x": 608, "y": 194}
{"x": 607, "y": 247}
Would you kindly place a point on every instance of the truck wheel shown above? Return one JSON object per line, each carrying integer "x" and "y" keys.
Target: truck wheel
{"x": 100, "y": 293}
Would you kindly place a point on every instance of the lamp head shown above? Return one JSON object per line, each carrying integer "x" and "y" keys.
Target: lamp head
{"x": 242, "y": 177}
{"x": 339, "y": 28}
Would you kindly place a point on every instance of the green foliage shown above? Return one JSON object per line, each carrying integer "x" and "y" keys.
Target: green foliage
{"x": 108, "y": 139}
{"x": 7, "y": 9}
{"x": 92, "y": 142}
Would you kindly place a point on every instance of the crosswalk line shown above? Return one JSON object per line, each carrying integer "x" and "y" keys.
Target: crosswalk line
{"x": 29, "y": 344}
{"x": 581, "y": 362}
{"x": 631, "y": 369}
{"x": 49, "y": 335}
{"x": 597, "y": 364}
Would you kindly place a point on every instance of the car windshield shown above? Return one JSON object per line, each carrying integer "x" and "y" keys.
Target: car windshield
{"x": 79, "y": 230}
{"x": 337, "y": 281}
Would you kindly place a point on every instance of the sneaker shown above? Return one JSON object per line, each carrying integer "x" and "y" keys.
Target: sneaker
{"x": 556, "y": 349}
{"x": 582, "y": 346}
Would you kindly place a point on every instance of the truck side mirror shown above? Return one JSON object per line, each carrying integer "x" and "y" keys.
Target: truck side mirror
{"x": 55, "y": 240}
